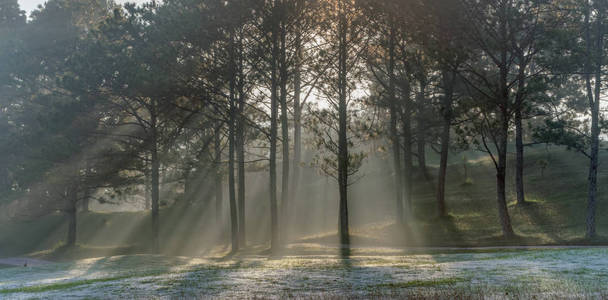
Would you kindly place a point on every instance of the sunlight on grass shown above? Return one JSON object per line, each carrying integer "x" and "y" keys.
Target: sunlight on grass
{"x": 564, "y": 272}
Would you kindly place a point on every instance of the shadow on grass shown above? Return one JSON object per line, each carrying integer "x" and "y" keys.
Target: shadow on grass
{"x": 537, "y": 213}
{"x": 69, "y": 253}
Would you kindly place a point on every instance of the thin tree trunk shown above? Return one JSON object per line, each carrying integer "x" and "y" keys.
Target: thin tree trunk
{"x": 274, "y": 219}
{"x": 421, "y": 130}
{"x": 148, "y": 185}
{"x": 284, "y": 133}
{"x": 219, "y": 194}
{"x": 448, "y": 82}
{"x": 234, "y": 223}
{"x": 519, "y": 163}
{"x": 155, "y": 184}
{"x": 519, "y": 130}
{"x": 240, "y": 157}
{"x": 393, "y": 130}
{"x": 594, "y": 104}
{"x": 87, "y": 192}
{"x": 297, "y": 120}
{"x": 240, "y": 150}
{"x": 84, "y": 205}
{"x": 342, "y": 134}
{"x": 593, "y": 165}
{"x": 407, "y": 146}
{"x": 443, "y": 166}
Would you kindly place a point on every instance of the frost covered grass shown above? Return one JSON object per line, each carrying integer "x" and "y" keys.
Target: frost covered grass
{"x": 532, "y": 273}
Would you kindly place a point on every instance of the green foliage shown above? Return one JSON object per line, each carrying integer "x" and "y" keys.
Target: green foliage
{"x": 562, "y": 132}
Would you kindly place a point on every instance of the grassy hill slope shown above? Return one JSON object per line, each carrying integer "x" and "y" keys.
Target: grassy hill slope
{"x": 556, "y": 215}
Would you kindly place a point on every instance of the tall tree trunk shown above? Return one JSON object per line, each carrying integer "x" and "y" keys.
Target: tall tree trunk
{"x": 343, "y": 156}
{"x": 448, "y": 82}
{"x": 593, "y": 165}
{"x": 155, "y": 184}
{"x": 234, "y": 223}
{"x": 519, "y": 163}
{"x": 274, "y": 111}
{"x": 503, "y": 134}
{"x": 240, "y": 157}
{"x": 219, "y": 194}
{"x": 406, "y": 124}
{"x": 421, "y": 130}
{"x": 519, "y": 130}
{"x": 297, "y": 120}
{"x": 240, "y": 148}
{"x": 396, "y": 141}
{"x": 443, "y": 166}
{"x": 594, "y": 105}
{"x": 284, "y": 133}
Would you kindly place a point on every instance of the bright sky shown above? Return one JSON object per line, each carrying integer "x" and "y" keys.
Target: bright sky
{"x": 30, "y": 5}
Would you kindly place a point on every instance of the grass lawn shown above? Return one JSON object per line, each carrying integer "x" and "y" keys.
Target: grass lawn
{"x": 549, "y": 274}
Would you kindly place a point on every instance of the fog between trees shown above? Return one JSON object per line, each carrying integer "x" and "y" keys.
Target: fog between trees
{"x": 261, "y": 122}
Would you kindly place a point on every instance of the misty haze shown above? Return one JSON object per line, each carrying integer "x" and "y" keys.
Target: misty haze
{"x": 356, "y": 149}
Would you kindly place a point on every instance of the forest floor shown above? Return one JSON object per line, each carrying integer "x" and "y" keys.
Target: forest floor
{"x": 485, "y": 273}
